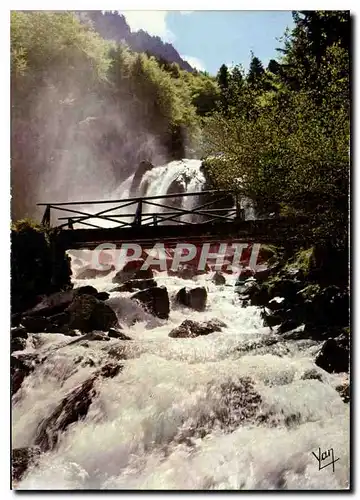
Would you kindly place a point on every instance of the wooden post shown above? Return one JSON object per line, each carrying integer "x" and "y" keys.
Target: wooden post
{"x": 46, "y": 217}
{"x": 155, "y": 219}
{"x": 137, "y": 220}
{"x": 238, "y": 208}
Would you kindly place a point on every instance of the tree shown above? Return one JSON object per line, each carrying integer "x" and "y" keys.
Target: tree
{"x": 291, "y": 148}
{"x": 223, "y": 82}
{"x": 256, "y": 72}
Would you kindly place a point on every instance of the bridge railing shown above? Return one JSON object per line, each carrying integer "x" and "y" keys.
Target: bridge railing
{"x": 143, "y": 216}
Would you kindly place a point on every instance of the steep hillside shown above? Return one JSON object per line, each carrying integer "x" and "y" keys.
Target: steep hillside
{"x": 113, "y": 26}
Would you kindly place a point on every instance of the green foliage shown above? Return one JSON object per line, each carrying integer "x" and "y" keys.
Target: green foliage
{"x": 256, "y": 72}
{"x": 291, "y": 148}
{"x": 303, "y": 261}
{"x": 73, "y": 93}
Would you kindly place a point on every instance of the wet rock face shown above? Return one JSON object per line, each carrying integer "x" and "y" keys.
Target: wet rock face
{"x": 88, "y": 314}
{"x": 191, "y": 329}
{"x": 22, "y": 459}
{"x": 144, "y": 166}
{"x": 72, "y": 408}
{"x": 155, "y": 300}
{"x": 334, "y": 355}
{"x": 195, "y": 298}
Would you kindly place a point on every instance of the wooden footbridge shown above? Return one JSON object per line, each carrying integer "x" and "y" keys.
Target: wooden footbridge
{"x": 217, "y": 216}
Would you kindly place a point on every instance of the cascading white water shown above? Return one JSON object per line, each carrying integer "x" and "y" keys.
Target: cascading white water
{"x": 187, "y": 177}
{"x": 159, "y": 423}
{"x": 131, "y": 436}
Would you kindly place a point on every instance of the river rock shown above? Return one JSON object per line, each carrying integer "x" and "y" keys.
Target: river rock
{"x": 155, "y": 300}
{"x": 72, "y": 408}
{"x": 287, "y": 288}
{"x": 312, "y": 374}
{"x": 17, "y": 344}
{"x": 36, "y": 324}
{"x": 218, "y": 279}
{"x": 117, "y": 334}
{"x": 88, "y": 313}
{"x": 270, "y": 319}
{"x": 258, "y": 295}
{"x": 245, "y": 274}
{"x": 19, "y": 370}
{"x": 276, "y": 303}
{"x": 52, "y": 304}
{"x": 90, "y": 290}
{"x": 188, "y": 271}
{"x": 191, "y": 329}
{"x": 86, "y": 290}
{"x": 344, "y": 391}
{"x": 195, "y": 298}
{"x": 334, "y": 355}
{"x": 132, "y": 285}
{"x": 15, "y": 319}
{"x": 132, "y": 271}
{"x": 19, "y": 332}
{"x": 22, "y": 459}
{"x": 89, "y": 273}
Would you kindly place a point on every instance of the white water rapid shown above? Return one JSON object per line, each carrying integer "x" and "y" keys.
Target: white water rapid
{"x": 173, "y": 418}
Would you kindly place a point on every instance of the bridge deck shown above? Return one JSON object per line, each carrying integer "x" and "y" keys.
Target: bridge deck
{"x": 275, "y": 231}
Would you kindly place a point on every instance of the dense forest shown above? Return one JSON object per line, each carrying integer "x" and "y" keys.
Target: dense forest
{"x": 83, "y": 105}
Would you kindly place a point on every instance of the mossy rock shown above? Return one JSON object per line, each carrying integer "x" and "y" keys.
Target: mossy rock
{"x": 39, "y": 265}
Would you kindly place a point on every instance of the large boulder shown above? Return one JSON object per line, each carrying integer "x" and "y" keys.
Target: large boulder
{"x": 287, "y": 288}
{"x": 270, "y": 319}
{"x": 36, "y": 324}
{"x": 218, "y": 279}
{"x": 155, "y": 301}
{"x": 195, "y": 298}
{"x": 52, "y": 304}
{"x": 334, "y": 355}
{"x": 88, "y": 313}
{"x": 132, "y": 271}
{"x": 191, "y": 329}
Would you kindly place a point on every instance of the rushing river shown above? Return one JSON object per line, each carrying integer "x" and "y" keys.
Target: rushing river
{"x": 182, "y": 413}
{"x": 130, "y": 438}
